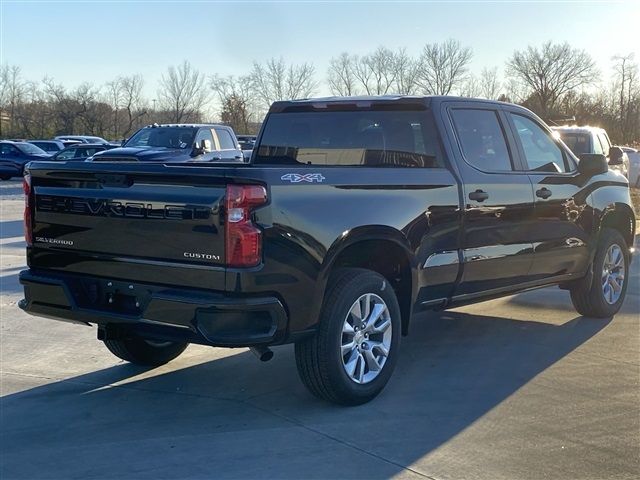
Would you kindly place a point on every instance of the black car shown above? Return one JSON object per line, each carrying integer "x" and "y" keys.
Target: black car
{"x": 80, "y": 152}
{"x": 353, "y": 214}
{"x": 15, "y": 155}
{"x": 177, "y": 143}
{"x": 49, "y": 146}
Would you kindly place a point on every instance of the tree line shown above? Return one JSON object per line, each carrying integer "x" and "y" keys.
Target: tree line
{"x": 557, "y": 81}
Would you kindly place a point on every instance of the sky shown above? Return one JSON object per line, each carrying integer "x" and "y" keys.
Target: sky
{"x": 96, "y": 41}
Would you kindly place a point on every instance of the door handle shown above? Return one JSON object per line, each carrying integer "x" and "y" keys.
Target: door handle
{"x": 543, "y": 193}
{"x": 478, "y": 196}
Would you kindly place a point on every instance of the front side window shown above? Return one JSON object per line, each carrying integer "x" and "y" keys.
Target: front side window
{"x": 368, "y": 138}
{"x": 205, "y": 134}
{"x": 67, "y": 154}
{"x": 482, "y": 139}
{"x": 8, "y": 150}
{"x": 541, "y": 153}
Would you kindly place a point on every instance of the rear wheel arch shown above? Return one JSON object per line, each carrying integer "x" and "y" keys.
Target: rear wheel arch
{"x": 386, "y": 252}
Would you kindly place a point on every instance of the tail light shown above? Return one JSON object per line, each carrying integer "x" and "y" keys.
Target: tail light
{"x": 243, "y": 240}
{"x": 28, "y": 231}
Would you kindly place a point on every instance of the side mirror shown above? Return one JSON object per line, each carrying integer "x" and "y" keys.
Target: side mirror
{"x": 615, "y": 156}
{"x": 124, "y": 140}
{"x": 592, "y": 164}
{"x": 198, "y": 149}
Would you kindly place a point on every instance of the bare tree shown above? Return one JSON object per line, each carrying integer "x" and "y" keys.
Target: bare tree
{"x": 275, "y": 80}
{"x": 132, "y": 101}
{"x": 489, "y": 84}
{"x": 628, "y": 94}
{"x": 551, "y": 72}
{"x": 443, "y": 67}
{"x": 12, "y": 91}
{"x": 341, "y": 77}
{"x": 406, "y": 73}
{"x": 471, "y": 87}
{"x": 114, "y": 98}
{"x": 183, "y": 92}
{"x": 237, "y": 101}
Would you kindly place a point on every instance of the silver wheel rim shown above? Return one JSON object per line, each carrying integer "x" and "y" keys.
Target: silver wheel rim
{"x": 366, "y": 338}
{"x": 613, "y": 274}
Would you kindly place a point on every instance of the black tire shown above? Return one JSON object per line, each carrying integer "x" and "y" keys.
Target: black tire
{"x": 145, "y": 352}
{"x": 5, "y": 177}
{"x": 319, "y": 359}
{"x": 587, "y": 294}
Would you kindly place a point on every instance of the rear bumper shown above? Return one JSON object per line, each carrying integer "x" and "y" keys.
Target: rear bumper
{"x": 121, "y": 308}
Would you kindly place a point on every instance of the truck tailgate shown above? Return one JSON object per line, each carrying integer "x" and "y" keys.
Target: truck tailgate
{"x": 133, "y": 222}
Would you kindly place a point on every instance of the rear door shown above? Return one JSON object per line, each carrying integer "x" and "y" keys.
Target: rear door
{"x": 147, "y": 223}
{"x": 562, "y": 216}
{"x": 498, "y": 212}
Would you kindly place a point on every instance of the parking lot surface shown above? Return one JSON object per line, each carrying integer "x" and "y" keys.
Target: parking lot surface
{"x": 514, "y": 388}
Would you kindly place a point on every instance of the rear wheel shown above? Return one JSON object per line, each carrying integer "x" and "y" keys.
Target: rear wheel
{"x": 145, "y": 352}
{"x": 601, "y": 294}
{"x": 352, "y": 356}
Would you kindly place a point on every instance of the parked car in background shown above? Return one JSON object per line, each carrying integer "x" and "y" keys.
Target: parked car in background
{"x": 82, "y": 138}
{"x": 634, "y": 165}
{"x": 49, "y": 146}
{"x": 15, "y": 155}
{"x": 80, "y": 152}
{"x": 177, "y": 143}
{"x": 247, "y": 142}
{"x": 594, "y": 140}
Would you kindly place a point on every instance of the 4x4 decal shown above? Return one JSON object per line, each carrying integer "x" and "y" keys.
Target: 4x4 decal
{"x": 306, "y": 177}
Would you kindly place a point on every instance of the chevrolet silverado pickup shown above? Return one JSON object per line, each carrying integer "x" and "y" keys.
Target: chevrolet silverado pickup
{"x": 352, "y": 214}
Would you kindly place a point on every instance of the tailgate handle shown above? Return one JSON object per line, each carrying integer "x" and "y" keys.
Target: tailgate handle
{"x": 112, "y": 180}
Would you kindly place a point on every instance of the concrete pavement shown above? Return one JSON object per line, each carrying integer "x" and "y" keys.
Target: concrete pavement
{"x": 515, "y": 388}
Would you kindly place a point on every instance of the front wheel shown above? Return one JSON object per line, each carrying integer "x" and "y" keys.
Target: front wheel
{"x": 601, "y": 295}
{"x": 145, "y": 352}
{"x": 352, "y": 355}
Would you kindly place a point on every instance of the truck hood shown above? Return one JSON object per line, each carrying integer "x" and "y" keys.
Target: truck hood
{"x": 148, "y": 154}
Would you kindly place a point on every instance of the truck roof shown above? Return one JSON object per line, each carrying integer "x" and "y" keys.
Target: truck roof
{"x": 365, "y": 100}
{"x": 577, "y": 129}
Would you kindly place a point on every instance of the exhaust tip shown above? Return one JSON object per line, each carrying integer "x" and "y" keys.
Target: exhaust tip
{"x": 264, "y": 354}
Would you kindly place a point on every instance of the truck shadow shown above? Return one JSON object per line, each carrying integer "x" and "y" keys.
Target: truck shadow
{"x": 239, "y": 418}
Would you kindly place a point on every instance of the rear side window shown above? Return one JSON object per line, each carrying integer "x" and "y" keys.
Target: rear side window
{"x": 541, "y": 153}
{"x": 482, "y": 139}
{"x": 367, "y": 138}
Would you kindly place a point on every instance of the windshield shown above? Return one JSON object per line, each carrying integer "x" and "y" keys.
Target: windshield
{"x": 350, "y": 138}
{"x": 30, "y": 149}
{"x": 577, "y": 142}
{"x": 167, "y": 137}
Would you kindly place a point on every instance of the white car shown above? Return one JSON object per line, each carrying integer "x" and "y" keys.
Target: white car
{"x": 634, "y": 166}
{"x": 594, "y": 140}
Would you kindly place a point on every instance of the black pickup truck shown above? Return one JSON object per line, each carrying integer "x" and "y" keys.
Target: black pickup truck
{"x": 353, "y": 214}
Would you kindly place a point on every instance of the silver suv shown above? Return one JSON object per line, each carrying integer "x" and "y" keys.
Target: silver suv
{"x": 594, "y": 140}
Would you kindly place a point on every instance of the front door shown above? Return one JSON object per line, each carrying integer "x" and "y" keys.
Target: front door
{"x": 562, "y": 215}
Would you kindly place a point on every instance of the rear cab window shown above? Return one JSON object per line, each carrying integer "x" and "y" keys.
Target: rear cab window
{"x": 350, "y": 138}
